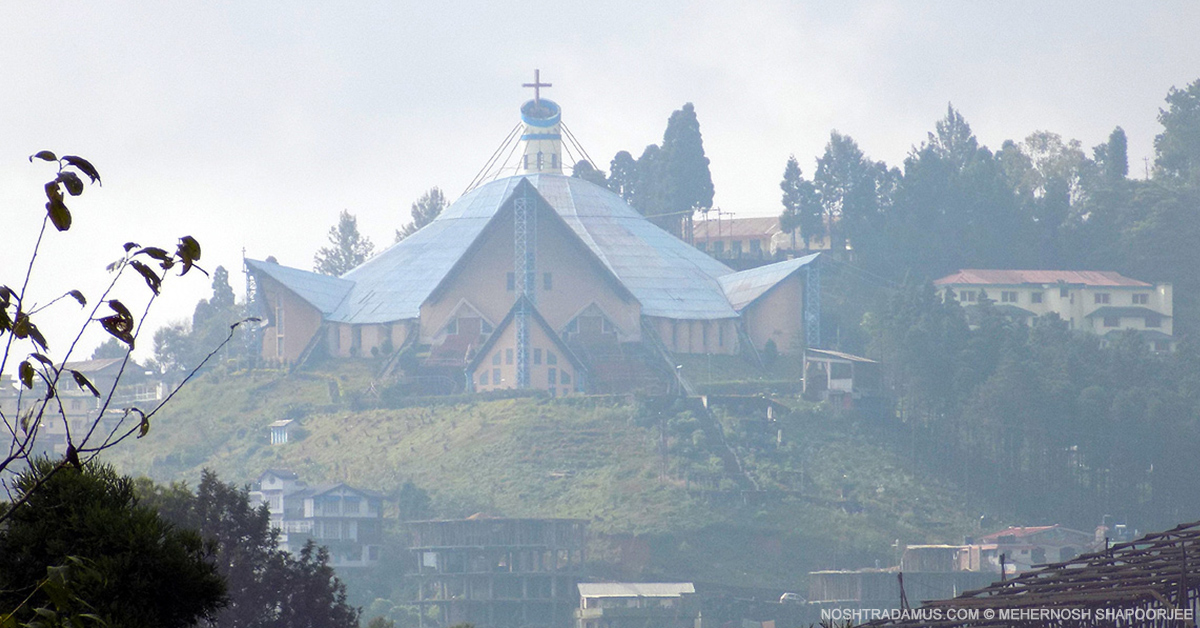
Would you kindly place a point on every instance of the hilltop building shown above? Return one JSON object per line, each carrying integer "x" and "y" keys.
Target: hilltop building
{"x": 1099, "y": 302}
{"x": 756, "y": 238}
{"x": 347, "y": 520}
{"x": 536, "y": 280}
{"x": 637, "y": 604}
{"x": 498, "y": 573}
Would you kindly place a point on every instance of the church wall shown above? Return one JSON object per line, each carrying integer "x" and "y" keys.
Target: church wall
{"x": 501, "y": 360}
{"x": 778, "y": 315}
{"x": 698, "y": 336}
{"x": 345, "y": 341}
{"x": 574, "y": 283}
{"x": 300, "y": 322}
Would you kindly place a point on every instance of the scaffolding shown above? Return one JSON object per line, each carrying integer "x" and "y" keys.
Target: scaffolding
{"x": 524, "y": 269}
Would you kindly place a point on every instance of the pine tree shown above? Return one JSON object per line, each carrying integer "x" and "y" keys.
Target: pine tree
{"x": 585, "y": 170}
{"x": 622, "y": 175}
{"x": 649, "y": 193}
{"x": 688, "y": 183}
{"x": 428, "y": 207}
{"x": 348, "y": 248}
{"x": 801, "y": 209}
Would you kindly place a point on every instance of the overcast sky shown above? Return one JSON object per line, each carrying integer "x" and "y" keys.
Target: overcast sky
{"x": 252, "y": 124}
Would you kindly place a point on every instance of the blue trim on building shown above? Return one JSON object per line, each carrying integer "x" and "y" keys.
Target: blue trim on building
{"x": 541, "y": 122}
{"x": 542, "y": 136}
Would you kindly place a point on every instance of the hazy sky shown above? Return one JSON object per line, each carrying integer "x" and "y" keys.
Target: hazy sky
{"x": 252, "y": 124}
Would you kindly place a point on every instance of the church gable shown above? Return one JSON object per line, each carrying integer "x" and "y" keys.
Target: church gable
{"x": 552, "y": 365}
{"x": 567, "y": 276}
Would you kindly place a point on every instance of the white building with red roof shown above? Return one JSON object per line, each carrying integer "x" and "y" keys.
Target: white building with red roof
{"x": 1099, "y": 302}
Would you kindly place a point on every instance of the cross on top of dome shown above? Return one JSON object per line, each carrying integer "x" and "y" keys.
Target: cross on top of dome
{"x": 537, "y": 86}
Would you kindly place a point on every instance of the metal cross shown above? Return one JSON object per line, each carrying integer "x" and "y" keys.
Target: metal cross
{"x": 537, "y": 86}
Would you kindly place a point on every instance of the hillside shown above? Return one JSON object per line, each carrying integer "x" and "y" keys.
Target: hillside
{"x": 834, "y": 492}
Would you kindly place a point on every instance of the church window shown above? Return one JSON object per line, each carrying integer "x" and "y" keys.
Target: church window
{"x": 553, "y": 393}
{"x": 547, "y": 281}
{"x": 452, "y": 326}
{"x": 541, "y": 159}
{"x": 551, "y": 358}
{"x": 537, "y": 356}
{"x": 720, "y": 334}
{"x": 496, "y": 359}
{"x": 704, "y": 336}
{"x": 526, "y": 164}
{"x": 511, "y": 282}
{"x": 735, "y": 248}
{"x": 564, "y": 377}
{"x": 718, "y": 248}
{"x": 508, "y": 356}
{"x": 756, "y": 247}
{"x": 553, "y": 160}
{"x": 552, "y": 375}
{"x": 483, "y": 378}
{"x": 279, "y": 346}
{"x": 496, "y": 377}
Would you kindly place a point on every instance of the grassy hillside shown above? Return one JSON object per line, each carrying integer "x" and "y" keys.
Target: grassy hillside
{"x": 835, "y": 492}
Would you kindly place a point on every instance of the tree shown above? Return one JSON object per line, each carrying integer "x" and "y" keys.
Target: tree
{"x": 269, "y": 588}
{"x": 801, "y": 209}
{"x": 180, "y": 345}
{"x": 688, "y": 182}
{"x": 1177, "y": 148}
{"x": 845, "y": 183}
{"x": 144, "y": 571}
{"x": 111, "y": 348}
{"x": 413, "y": 502}
{"x": 584, "y": 169}
{"x": 649, "y": 192}
{"x": 347, "y": 248}
{"x": 428, "y": 207}
{"x": 622, "y": 175}
{"x": 38, "y": 406}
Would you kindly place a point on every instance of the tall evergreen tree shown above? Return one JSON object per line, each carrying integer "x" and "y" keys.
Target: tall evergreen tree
{"x": 584, "y": 169}
{"x": 1177, "y": 148}
{"x": 846, "y": 184}
{"x": 424, "y": 210}
{"x": 347, "y": 248}
{"x": 801, "y": 209}
{"x": 649, "y": 192}
{"x": 622, "y": 175}
{"x": 688, "y": 182}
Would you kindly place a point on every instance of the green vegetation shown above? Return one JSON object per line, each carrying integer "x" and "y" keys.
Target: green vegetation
{"x": 834, "y": 492}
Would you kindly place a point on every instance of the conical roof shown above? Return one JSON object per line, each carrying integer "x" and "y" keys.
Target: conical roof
{"x": 668, "y": 277}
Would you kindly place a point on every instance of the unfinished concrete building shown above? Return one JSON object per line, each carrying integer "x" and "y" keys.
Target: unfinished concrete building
{"x": 498, "y": 573}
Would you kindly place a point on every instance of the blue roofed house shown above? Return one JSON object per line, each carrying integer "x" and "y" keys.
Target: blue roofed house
{"x": 532, "y": 281}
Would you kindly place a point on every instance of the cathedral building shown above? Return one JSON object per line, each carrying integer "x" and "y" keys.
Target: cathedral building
{"x": 535, "y": 280}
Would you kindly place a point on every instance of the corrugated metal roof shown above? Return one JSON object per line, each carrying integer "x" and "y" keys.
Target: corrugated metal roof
{"x": 743, "y": 288}
{"x": 735, "y": 228}
{"x": 322, "y": 291}
{"x": 971, "y": 276}
{"x": 635, "y": 589}
{"x": 670, "y": 278}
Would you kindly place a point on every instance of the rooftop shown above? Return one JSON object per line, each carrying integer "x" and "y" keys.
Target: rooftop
{"x": 635, "y": 589}
{"x": 971, "y": 276}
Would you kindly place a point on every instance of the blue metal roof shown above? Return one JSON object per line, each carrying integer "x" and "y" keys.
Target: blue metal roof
{"x": 745, "y": 287}
{"x": 322, "y": 291}
{"x": 668, "y": 277}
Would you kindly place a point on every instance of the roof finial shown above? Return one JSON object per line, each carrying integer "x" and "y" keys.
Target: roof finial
{"x": 537, "y": 86}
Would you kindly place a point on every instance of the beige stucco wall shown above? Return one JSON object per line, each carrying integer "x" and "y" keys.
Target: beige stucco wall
{"x": 340, "y": 338}
{"x": 539, "y": 374}
{"x": 778, "y": 315}
{"x": 575, "y": 283}
{"x": 300, "y": 322}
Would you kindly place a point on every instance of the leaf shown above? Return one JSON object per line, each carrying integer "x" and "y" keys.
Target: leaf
{"x": 25, "y": 373}
{"x": 43, "y": 359}
{"x": 72, "y": 182}
{"x": 59, "y": 215}
{"x": 44, "y": 155}
{"x": 82, "y": 382}
{"x": 144, "y": 428}
{"x": 129, "y": 246}
{"x": 152, "y": 279}
{"x": 78, "y": 296}
{"x": 24, "y": 328}
{"x": 84, "y": 166}
{"x": 120, "y": 324}
{"x": 155, "y": 252}
{"x": 188, "y": 252}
